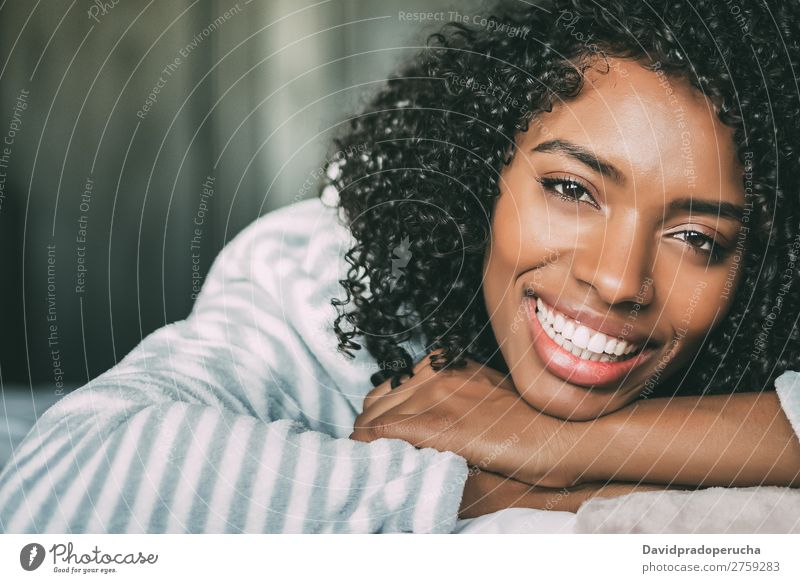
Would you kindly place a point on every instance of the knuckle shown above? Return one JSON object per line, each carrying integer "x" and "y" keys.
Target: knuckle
{"x": 359, "y": 422}
{"x": 368, "y": 432}
{"x": 441, "y": 390}
{"x": 376, "y": 429}
{"x": 375, "y": 393}
{"x": 358, "y": 435}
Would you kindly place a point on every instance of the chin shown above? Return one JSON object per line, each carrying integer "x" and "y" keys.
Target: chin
{"x": 571, "y": 402}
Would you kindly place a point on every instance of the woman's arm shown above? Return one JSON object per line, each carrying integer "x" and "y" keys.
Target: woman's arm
{"x": 208, "y": 425}
{"x": 487, "y": 492}
{"x": 729, "y": 440}
{"x": 742, "y": 439}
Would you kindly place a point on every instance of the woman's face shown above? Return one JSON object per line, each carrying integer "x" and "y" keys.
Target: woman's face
{"x": 619, "y": 223}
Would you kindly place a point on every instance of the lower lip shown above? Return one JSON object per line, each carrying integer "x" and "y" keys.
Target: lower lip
{"x": 572, "y": 368}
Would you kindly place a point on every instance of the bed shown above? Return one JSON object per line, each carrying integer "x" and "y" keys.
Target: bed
{"x": 713, "y": 510}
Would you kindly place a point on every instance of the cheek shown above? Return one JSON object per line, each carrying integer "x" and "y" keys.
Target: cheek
{"x": 517, "y": 253}
{"x": 696, "y": 305}
{"x": 521, "y": 241}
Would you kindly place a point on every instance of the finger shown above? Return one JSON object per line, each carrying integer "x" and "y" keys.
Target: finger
{"x": 387, "y": 427}
{"x": 386, "y": 387}
{"x": 387, "y": 401}
{"x": 419, "y": 429}
{"x": 383, "y": 397}
{"x": 375, "y": 394}
{"x": 425, "y": 362}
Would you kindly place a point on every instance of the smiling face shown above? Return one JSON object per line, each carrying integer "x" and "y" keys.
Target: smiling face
{"x": 601, "y": 280}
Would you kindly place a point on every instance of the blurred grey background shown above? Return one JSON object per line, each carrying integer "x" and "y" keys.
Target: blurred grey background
{"x": 122, "y": 121}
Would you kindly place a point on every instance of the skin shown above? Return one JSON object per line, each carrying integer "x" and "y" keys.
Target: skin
{"x": 626, "y": 253}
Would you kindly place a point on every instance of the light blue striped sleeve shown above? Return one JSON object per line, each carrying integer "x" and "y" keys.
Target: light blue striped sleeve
{"x": 197, "y": 430}
{"x": 787, "y": 386}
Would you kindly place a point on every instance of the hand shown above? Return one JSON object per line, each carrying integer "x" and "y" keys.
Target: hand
{"x": 477, "y": 413}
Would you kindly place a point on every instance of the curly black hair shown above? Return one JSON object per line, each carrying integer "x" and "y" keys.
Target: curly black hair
{"x": 418, "y": 170}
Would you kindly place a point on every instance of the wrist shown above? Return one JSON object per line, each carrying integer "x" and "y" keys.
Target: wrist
{"x": 594, "y": 443}
{"x": 552, "y": 454}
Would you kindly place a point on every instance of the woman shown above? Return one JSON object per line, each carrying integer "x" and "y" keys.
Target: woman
{"x": 600, "y": 221}
{"x": 507, "y": 189}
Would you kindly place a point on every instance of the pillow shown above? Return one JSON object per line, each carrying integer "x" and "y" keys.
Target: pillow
{"x": 759, "y": 509}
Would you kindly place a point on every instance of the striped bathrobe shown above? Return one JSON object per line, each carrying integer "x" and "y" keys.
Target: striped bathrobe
{"x": 237, "y": 418}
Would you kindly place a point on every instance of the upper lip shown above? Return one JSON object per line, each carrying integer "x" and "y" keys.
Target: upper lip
{"x": 604, "y": 323}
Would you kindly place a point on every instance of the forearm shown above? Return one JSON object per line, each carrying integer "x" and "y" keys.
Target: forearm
{"x": 715, "y": 440}
{"x": 487, "y": 492}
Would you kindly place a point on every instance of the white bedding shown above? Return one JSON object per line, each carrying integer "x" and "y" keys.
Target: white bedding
{"x": 519, "y": 521}
{"x": 765, "y": 509}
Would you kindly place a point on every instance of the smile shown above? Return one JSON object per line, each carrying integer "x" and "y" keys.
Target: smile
{"x": 582, "y": 341}
{"x": 577, "y": 353}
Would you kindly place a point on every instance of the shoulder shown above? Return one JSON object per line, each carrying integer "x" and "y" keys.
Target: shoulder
{"x": 307, "y": 235}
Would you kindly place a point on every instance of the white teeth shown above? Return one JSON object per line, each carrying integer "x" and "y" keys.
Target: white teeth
{"x": 559, "y": 323}
{"x": 581, "y": 337}
{"x": 597, "y": 343}
{"x": 581, "y": 340}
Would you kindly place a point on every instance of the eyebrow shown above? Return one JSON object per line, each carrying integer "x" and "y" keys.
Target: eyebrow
{"x": 707, "y": 207}
{"x": 583, "y": 156}
{"x": 694, "y": 205}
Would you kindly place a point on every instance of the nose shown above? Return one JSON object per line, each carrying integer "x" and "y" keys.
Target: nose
{"x": 615, "y": 258}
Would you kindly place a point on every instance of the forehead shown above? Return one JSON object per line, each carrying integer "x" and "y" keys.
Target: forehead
{"x": 647, "y": 124}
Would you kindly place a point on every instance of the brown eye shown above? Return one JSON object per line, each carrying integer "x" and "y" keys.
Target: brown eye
{"x": 697, "y": 241}
{"x": 702, "y": 244}
{"x": 568, "y": 189}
